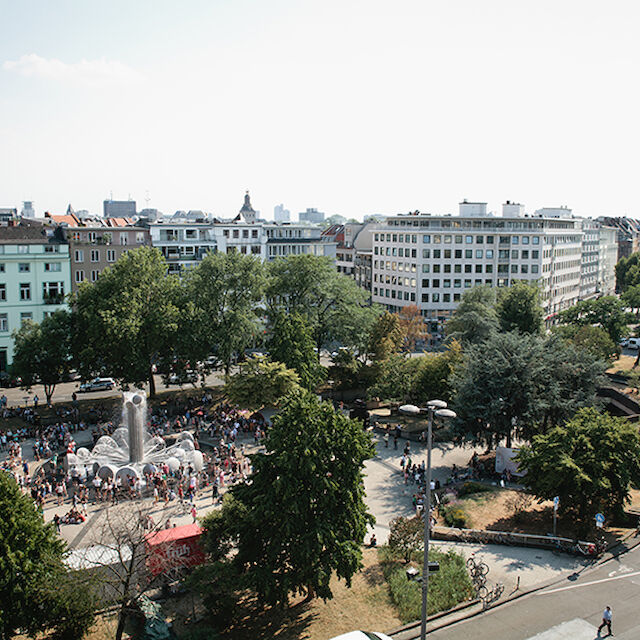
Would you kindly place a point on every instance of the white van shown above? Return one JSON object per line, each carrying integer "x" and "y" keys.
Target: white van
{"x": 633, "y": 343}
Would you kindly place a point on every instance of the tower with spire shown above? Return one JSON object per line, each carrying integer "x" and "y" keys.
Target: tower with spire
{"x": 247, "y": 211}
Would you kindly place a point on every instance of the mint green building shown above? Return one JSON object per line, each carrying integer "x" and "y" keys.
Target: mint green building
{"x": 35, "y": 277}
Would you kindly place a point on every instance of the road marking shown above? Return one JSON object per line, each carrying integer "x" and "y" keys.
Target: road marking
{"x": 576, "y": 629}
{"x": 587, "y": 584}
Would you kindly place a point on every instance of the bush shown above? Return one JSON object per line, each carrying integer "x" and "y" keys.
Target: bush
{"x": 474, "y": 487}
{"x": 447, "y": 588}
{"x": 455, "y": 516}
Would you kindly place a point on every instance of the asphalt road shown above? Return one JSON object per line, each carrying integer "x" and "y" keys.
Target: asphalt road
{"x": 570, "y": 609}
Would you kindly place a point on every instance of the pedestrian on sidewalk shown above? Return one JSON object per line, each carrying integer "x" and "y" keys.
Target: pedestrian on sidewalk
{"x": 606, "y": 620}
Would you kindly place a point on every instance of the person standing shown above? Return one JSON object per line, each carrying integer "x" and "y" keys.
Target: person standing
{"x": 606, "y": 620}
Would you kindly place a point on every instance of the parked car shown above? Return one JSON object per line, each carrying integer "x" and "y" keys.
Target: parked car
{"x": 362, "y": 635}
{"x": 98, "y": 384}
{"x": 188, "y": 376}
{"x": 633, "y": 343}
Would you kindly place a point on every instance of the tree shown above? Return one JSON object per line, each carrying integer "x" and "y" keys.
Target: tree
{"x": 475, "y": 318}
{"x": 291, "y": 343}
{"x": 595, "y": 340}
{"x": 260, "y": 383}
{"x": 413, "y": 325}
{"x": 631, "y": 297}
{"x": 435, "y": 374}
{"x": 225, "y": 290}
{"x": 590, "y": 463}
{"x": 37, "y": 593}
{"x": 519, "y": 307}
{"x": 386, "y": 337}
{"x": 406, "y": 536}
{"x": 42, "y": 352}
{"x": 313, "y": 465}
{"x": 628, "y": 272}
{"x": 127, "y": 320}
{"x": 309, "y": 285}
{"x": 607, "y": 312}
{"x": 395, "y": 378}
{"x": 516, "y": 385}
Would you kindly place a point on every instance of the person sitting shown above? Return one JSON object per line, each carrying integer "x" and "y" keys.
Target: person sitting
{"x": 373, "y": 542}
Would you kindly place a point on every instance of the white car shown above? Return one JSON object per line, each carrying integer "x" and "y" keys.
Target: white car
{"x": 98, "y": 384}
{"x": 363, "y": 635}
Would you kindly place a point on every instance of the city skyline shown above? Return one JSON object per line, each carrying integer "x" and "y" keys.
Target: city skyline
{"x": 353, "y": 108}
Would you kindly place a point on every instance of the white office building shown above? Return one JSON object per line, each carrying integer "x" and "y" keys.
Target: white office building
{"x": 430, "y": 260}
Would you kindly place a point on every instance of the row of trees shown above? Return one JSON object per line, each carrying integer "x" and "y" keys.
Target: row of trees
{"x": 137, "y": 318}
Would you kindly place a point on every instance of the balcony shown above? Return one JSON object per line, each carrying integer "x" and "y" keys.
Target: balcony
{"x": 53, "y": 298}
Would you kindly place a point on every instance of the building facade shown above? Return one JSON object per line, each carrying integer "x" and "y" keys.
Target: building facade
{"x": 312, "y": 216}
{"x": 430, "y": 260}
{"x": 280, "y": 214}
{"x": 35, "y": 277}
{"x": 94, "y": 248}
{"x": 119, "y": 208}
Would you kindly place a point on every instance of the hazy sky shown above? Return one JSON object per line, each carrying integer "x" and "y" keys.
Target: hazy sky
{"x": 350, "y": 107}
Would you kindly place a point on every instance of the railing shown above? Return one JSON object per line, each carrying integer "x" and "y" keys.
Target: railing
{"x": 56, "y": 298}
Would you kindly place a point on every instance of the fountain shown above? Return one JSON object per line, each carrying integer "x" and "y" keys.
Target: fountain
{"x": 131, "y": 451}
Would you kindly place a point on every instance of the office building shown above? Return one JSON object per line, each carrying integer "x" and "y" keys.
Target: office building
{"x": 27, "y": 209}
{"x": 312, "y": 216}
{"x": 280, "y": 214}
{"x": 119, "y": 208}
{"x": 430, "y": 260}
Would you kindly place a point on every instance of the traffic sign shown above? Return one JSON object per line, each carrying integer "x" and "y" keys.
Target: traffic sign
{"x": 556, "y": 503}
{"x": 599, "y": 520}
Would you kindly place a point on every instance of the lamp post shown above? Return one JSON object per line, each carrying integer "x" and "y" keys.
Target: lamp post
{"x": 437, "y": 408}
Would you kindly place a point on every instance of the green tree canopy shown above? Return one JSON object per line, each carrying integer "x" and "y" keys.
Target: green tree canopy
{"x": 415, "y": 329}
{"x": 475, "y": 318}
{"x": 331, "y": 302}
{"x": 305, "y": 511}
{"x": 590, "y": 463}
{"x": 628, "y": 272}
{"x": 518, "y": 384}
{"x": 607, "y": 312}
{"x": 518, "y": 307}
{"x": 593, "y": 339}
{"x": 37, "y": 593}
{"x": 225, "y": 291}
{"x": 291, "y": 343}
{"x": 42, "y": 352}
{"x": 260, "y": 383}
{"x": 631, "y": 297}
{"x": 128, "y": 319}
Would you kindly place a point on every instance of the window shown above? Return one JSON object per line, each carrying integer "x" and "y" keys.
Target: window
{"x": 23, "y": 248}
{"x": 52, "y": 249}
{"x": 535, "y": 240}
{"x": 245, "y": 233}
{"x": 24, "y": 267}
{"x": 80, "y": 275}
{"x": 503, "y": 254}
{"x": 514, "y": 268}
{"x": 435, "y": 283}
{"x": 124, "y": 239}
{"x": 503, "y": 268}
{"x": 468, "y": 239}
{"x": 458, "y": 254}
{"x": 426, "y": 268}
{"x": 79, "y": 255}
{"x": 458, "y": 240}
{"x": 26, "y": 315}
{"x": 468, "y": 254}
{"x": 467, "y": 284}
{"x": 534, "y": 268}
{"x": 525, "y": 239}
{"x": 489, "y": 239}
{"x": 488, "y": 268}
{"x": 436, "y": 253}
{"x": 425, "y": 283}
{"x": 525, "y": 254}
{"x": 514, "y": 254}
{"x": 25, "y": 291}
{"x": 435, "y": 297}
{"x": 3, "y": 291}
{"x": 524, "y": 268}
{"x": 1, "y": 267}
{"x": 479, "y": 239}
{"x": 425, "y": 297}
{"x": 52, "y": 289}
{"x": 437, "y": 239}
{"x": 139, "y": 237}
{"x": 95, "y": 274}
{"x": 436, "y": 268}
{"x": 515, "y": 240}
{"x": 52, "y": 266}
{"x": 478, "y": 268}
{"x": 111, "y": 255}
{"x": 457, "y": 268}
{"x": 447, "y": 254}
{"x": 467, "y": 268}
{"x": 446, "y": 297}
{"x": 489, "y": 254}
{"x": 4, "y": 322}
{"x": 446, "y": 283}
{"x": 447, "y": 239}
{"x": 447, "y": 268}
{"x": 456, "y": 297}
{"x": 457, "y": 283}
{"x": 426, "y": 253}
{"x": 535, "y": 254}
{"x": 95, "y": 255}
{"x": 478, "y": 254}
{"x": 254, "y": 233}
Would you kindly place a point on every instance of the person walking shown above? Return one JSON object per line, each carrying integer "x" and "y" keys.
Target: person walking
{"x": 606, "y": 620}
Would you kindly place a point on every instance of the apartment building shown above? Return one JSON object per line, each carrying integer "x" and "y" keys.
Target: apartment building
{"x": 430, "y": 260}
{"x": 93, "y": 248}
{"x": 607, "y": 259}
{"x": 35, "y": 277}
{"x": 589, "y": 271}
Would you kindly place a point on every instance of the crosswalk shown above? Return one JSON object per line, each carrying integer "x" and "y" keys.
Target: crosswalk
{"x": 576, "y": 629}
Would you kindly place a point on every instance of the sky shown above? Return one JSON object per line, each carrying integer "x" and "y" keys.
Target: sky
{"x": 350, "y": 107}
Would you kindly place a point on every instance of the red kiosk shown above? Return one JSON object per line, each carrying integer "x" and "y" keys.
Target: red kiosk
{"x": 175, "y": 548}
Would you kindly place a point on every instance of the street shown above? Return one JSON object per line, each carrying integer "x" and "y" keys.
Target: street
{"x": 569, "y": 609}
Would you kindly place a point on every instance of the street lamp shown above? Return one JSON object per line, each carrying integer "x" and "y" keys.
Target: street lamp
{"x": 438, "y": 408}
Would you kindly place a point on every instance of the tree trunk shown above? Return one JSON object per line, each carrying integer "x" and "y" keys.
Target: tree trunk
{"x": 121, "y": 620}
{"x": 509, "y": 439}
{"x": 152, "y": 384}
{"x": 48, "y": 391}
